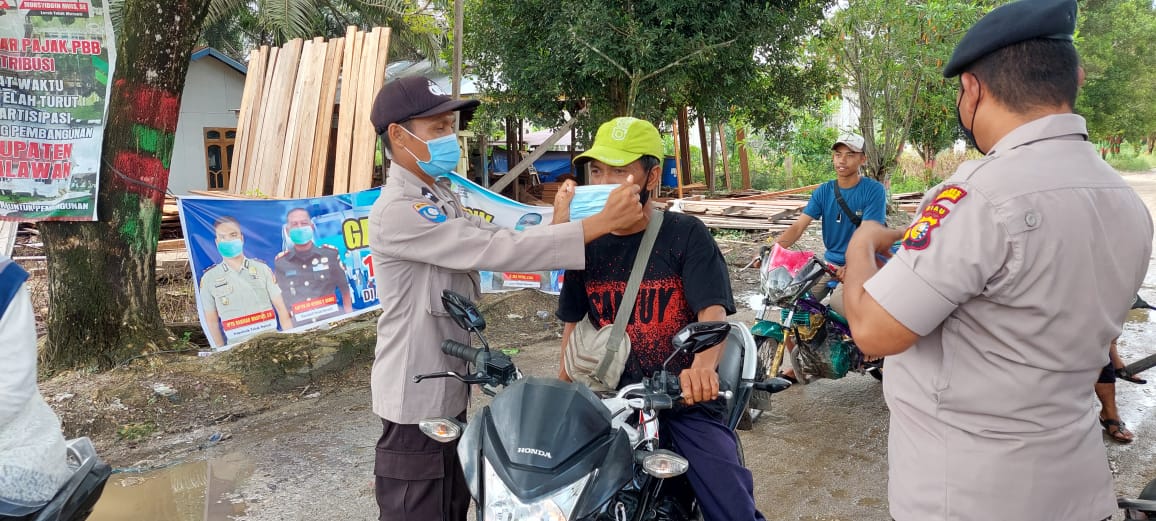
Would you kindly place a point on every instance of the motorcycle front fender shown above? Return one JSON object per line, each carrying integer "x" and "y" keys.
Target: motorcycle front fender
{"x": 766, "y": 328}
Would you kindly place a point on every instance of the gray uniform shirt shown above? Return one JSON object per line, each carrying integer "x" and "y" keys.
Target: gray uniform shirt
{"x": 422, "y": 243}
{"x": 1018, "y": 273}
{"x": 241, "y": 294}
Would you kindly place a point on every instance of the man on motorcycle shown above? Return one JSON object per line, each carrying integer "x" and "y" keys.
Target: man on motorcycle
{"x": 686, "y": 281}
{"x": 842, "y": 204}
{"x": 33, "y": 464}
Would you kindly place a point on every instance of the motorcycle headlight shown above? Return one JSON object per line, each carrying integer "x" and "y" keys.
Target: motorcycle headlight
{"x": 503, "y": 505}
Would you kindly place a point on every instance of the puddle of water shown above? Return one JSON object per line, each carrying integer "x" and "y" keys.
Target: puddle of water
{"x": 194, "y": 491}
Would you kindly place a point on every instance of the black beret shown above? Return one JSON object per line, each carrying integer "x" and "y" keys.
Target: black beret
{"x": 1010, "y": 24}
{"x": 415, "y": 97}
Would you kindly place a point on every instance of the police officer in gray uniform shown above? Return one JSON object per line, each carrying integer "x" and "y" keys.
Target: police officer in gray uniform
{"x": 996, "y": 311}
{"x": 424, "y": 242}
{"x": 311, "y": 276}
{"x": 238, "y": 293}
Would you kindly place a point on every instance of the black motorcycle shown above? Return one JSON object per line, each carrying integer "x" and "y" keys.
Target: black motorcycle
{"x": 77, "y": 498}
{"x": 545, "y": 449}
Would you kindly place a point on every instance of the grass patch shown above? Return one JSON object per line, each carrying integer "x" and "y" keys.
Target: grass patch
{"x": 135, "y": 431}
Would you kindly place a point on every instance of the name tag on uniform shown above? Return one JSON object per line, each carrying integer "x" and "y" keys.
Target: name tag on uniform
{"x": 321, "y": 267}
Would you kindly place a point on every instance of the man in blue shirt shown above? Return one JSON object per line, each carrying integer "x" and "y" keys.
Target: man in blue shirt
{"x": 864, "y": 199}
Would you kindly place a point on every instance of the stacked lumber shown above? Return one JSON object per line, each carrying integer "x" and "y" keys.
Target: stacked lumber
{"x": 286, "y": 118}
{"x": 770, "y": 214}
{"x": 170, "y": 221}
{"x": 907, "y": 202}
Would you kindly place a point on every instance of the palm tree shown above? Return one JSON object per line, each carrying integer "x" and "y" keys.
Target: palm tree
{"x": 418, "y": 27}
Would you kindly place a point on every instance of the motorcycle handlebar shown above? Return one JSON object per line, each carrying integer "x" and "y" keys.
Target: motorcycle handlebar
{"x": 463, "y": 351}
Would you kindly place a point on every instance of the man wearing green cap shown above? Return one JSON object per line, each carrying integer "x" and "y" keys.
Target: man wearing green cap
{"x": 686, "y": 281}
{"x": 996, "y": 312}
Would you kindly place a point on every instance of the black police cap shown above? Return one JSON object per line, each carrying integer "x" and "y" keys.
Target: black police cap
{"x": 415, "y": 97}
{"x": 1010, "y": 24}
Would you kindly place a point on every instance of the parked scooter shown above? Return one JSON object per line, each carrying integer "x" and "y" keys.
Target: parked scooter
{"x": 76, "y": 500}
{"x": 551, "y": 450}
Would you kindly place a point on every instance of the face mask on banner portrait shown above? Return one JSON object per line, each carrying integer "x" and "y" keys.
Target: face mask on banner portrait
{"x": 300, "y": 236}
{"x": 589, "y": 200}
{"x": 230, "y": 249}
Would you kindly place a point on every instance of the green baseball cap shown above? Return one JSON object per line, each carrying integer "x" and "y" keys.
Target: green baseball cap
{"x": 622, "y": 141}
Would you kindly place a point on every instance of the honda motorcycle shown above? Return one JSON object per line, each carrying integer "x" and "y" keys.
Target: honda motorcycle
{"x": 545, "y": 449}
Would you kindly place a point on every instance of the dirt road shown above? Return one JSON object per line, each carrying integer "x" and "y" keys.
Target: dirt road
{"x": 820, "y": 455}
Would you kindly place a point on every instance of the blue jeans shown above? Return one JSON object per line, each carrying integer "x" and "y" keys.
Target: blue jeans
{"x": 723, "y": 486}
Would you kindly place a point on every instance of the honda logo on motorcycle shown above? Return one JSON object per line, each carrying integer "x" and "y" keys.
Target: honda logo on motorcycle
{"x": 536, "y": 452}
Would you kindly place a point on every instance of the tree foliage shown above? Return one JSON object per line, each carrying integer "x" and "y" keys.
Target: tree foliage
{"x": 644, "y": 57}
{"x": 417, "y": 28}
{"x": 1117, "y": 40}
{"x": 891, "y": 53}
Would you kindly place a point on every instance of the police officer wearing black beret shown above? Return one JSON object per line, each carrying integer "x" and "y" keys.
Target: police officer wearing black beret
{"x": 996, "y": 313}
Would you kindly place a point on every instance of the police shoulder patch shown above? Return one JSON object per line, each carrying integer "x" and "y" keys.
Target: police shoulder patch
{"x": 430, "y": 212}
{"x": 918, "y": 235}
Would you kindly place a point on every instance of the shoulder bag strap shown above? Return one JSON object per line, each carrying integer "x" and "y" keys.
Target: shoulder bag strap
{"x": 855, "y": 219}
{"x": 626, "y": 308}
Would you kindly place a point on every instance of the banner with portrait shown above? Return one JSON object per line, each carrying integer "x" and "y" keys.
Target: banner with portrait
{"x": 263, "y": 265}
{"x": 507, "y": 213}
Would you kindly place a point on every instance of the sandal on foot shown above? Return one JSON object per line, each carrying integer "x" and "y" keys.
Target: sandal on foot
{"x": 788, "y": 377}
{"x": 1124, "y": 374}
{"x": 1117, "y": 431}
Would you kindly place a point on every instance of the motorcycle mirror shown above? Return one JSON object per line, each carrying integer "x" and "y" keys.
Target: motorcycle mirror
{"x": 700, "y": 336}
{"x": 464, "y": 312}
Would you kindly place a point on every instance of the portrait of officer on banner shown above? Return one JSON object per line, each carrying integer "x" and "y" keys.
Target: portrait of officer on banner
{"x": 311, "y": 276}
{"x": 239, "y": 295}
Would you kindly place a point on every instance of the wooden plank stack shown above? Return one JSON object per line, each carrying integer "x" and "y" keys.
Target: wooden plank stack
{"x": 764, "y": 214}
{"x": 286, "y": 123}
{"x": 907, "y": 202}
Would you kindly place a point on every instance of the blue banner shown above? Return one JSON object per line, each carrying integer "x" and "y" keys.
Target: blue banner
{"x": 264, "y": 265}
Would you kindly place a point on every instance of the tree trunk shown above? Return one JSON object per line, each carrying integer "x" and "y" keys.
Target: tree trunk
{"x": 101, "y": 275}
{"x": 684, "y": 138}
{"x": 704, "y": 148}
{"x": 744, "y": 165}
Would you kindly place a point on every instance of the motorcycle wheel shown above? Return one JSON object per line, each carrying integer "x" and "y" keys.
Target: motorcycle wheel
{"x": 742, "y": 454}
{"x": 766, "y": 346}
{"x": 875, "y": 369}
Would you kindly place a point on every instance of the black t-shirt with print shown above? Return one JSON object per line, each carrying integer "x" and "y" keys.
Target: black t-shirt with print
{"x": 686, "y": 274}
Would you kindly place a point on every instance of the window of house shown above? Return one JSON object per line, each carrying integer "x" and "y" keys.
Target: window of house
{"x": 219, "y": 156}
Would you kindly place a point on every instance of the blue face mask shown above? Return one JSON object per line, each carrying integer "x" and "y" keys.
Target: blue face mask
{"x": 230, "y": 249}
{"x": 444, "y": 153}
{"x": 302, "y": 235}
{"x": 589, "y": 200}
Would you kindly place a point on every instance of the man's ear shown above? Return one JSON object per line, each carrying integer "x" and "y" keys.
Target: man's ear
{"x": 396, "y": 133}
{"x": 654, "y": 177}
